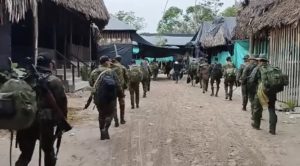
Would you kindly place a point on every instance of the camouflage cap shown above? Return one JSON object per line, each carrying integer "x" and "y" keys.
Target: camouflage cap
{"x": 103, "y": 59}
{"x": 262, "y": 57}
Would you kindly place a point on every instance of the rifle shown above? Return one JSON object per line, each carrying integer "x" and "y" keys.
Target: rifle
{"x": 88, "y": 103}
{"x": 42, "y": 84}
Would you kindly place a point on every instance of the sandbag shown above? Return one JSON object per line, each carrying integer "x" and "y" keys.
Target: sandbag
{"x": 18, "y": 105}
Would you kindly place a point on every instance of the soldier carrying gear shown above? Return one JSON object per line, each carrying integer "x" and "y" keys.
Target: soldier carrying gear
{"x": 52, "y": 110}
{"x": 107, "y": 88}
{"x": 204, "y": 74}
{"x": 229, "y": 78}
{"x": 122, "y": 74}
{"x": 244, "y": 79}
{"x": 215, "y": 76}
{"x": 135, "y": 77}
{"x": 146, "y": 77}
{"x": 244, "y": 86}
{"x": 269, "y": 81}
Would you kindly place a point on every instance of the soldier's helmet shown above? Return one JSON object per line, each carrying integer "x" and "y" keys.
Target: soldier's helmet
{"x": 228, "y": 59}
{"x": 262, "y": 57}
{"x": 103, "y": 59}
{"x": 44, "y": 60}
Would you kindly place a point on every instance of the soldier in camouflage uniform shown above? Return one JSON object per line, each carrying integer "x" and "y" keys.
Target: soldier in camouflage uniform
{"x": 257, "y": 107}
{"x": 215, "y": 76}
{"x": 46, "y": 121}
{"x": 229, "y": 78}
{"x": 106, "y": 111}
{"x": 244, "y": 79}
{"x": 243, "y": 85}
{"x": 204, "y": 74}
{"x": 123, "y": 78}
{"x": 154, "y": 69}
{"x": 146, "y": 77}
{"x": 134, "y": 85}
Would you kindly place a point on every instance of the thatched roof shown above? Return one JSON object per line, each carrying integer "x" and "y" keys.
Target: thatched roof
{"x": 217, "y": 33}
{"x": 94, "y": 10}
{"x": 261, "y": 14}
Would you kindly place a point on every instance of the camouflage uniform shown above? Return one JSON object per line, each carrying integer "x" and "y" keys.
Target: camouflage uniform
{"x": 257, "y": 107}
{"x": 106, "y": 111}
{"x": 154, "y": 69}
{"x": 243, "y": 85}
{"x": 44, "y": 125}
{"x": 204, "y": 74}
{"x": 146, "y": 77}
{"x": 134, "y": 89}
{"x": 121, "y": 72}
{"x": 228, "y": 82}
{"x": 244, "y": 81}
{"x": 215, "y": 77}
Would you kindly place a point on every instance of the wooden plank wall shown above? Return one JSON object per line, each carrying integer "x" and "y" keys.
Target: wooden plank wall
{"x": 285, "y": 53}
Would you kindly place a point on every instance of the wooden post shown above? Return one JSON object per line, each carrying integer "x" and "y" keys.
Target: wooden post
{"x": 90, "y": 45}
{"x": 36, "y": 30}
{"x": 65, "y": 54}
{"x": 251, "y": 44}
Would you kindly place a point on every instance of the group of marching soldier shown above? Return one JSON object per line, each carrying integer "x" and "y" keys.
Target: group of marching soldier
{"x": 260, "y": 82}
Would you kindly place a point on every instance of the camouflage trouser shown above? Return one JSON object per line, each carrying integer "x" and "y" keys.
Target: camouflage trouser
{"x": 27, "y": 140}
{"x": 212, "y": 81}
{"x": 121, "y": 101}
{"x": 106, "y": 114}
{"x": 229, "y": 88}
{"x": 146, "y": 86}
{"x": 134, "y": 89}
{"x": 205, "y": 84}
{"x": 251, "y": 97}
{"x": 245, "y": 95}
{"x": 257, "y": 112}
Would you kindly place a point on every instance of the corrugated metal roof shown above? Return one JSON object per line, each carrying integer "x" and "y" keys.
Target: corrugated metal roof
{"x": 116, "y": 25}
{"x": 171, "y": 39}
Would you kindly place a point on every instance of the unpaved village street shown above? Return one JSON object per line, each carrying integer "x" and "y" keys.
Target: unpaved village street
{"x": 176, "y": 125}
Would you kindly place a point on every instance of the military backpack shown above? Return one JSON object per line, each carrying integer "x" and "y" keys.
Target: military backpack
{"x": 106, "y": 88}
{"x": 18, "y": 105}
{"x": 135, "y": 74}
{"x": 273, "y": 79}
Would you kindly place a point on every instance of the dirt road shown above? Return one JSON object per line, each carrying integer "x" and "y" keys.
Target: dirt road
{"x": 176, "y": 125}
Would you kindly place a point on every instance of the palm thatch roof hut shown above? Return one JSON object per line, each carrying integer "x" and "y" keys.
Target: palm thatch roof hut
{"x": 66, "y": 29}
{"x": 274, "y": 29}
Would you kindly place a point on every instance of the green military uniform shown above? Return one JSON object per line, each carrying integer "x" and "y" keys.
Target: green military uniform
{"x": 154, "y": 69}
{"x": 229, "y": 80}
{"x": 243, "y": 85}
{"x": 45, "y": 123}
{"x": 199, "y": 70}
{"x": 134, "y": 86}
{"x": 146, "y": 77}
{"x": 121, "y": 72}
{"x": 107, "y": 110}
{"x": 257, "y": 107}
{"x": 215, "y": 76}
{"x": 244, "y": 79}
{"x": 204, "y": 74}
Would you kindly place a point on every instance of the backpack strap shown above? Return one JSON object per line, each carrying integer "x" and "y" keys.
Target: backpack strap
{"x": 100, "y": 75}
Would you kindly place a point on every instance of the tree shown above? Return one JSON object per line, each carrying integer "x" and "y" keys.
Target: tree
{"x": 129, "y": 17}
{"x": 229, "y": 12}
{"x": 175, "y": 20}
{"x": 213, "y": 5}
{"x": 171, "y": 21}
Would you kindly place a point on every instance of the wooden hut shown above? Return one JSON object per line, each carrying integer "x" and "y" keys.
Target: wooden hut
{"x": 273, "y": 28}
{"x": 64, "y": 28}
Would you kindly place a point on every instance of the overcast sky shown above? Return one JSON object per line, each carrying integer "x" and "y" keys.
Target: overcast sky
{"x": 151, "y": 10}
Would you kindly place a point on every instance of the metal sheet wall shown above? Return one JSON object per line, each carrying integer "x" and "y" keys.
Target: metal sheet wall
{"x": 285, "y": 53}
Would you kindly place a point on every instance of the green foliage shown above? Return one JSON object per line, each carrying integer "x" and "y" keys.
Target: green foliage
{"x": 131, "y": 19}
{"x": 175, "y": 20}
{"x": 291, "y": 104}
{"x": 229, "y": 12}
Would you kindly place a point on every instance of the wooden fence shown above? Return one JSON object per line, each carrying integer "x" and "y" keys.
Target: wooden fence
{"x": 284, "y": 52}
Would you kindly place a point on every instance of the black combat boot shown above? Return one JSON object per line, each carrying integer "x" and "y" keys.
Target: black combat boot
{"x": 216, "y": 95}
{"x": 123, "y": 117}
{"x": 212, "y": 91}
